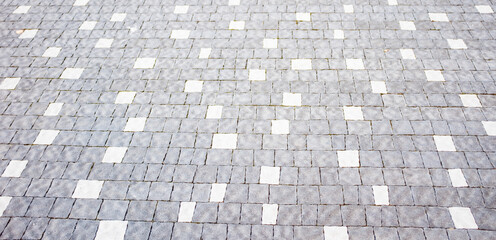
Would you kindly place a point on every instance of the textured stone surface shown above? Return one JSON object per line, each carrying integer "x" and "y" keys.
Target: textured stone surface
{"x": 246, "y": 119}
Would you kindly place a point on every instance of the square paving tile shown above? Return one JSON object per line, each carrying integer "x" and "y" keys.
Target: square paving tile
{"x": 270, "y": 43}
{"x": 144, "y": 63}
{"x": 224, "y": 141}
{"x": 484, "y": 9}
{"x": 462, "y": 218}
{"x": 21, "y": 10}
{"x": 438, "y": 17}
{"x": 237, "y": 25}
{"x": 269, "y": 175}
{"x": 87, "y": 189}
{"x": 114, "y": 154}
{"x": 301, "y": 64}
{"x": 104, "y": 43}
{"x": 88, "y": 25}
{"x": 256, "y": 75}
{"x": 125, "y": 97}
{"x": 52, "y": 52}
{"x": 9, "y": 83}
{"x": 214, "y": 112}
{"x": 118, "y": 17}
{"x": 348, "y": 158}
{"x": 53, "y": 109}
{"x": 15, "y": 168}
{"x": 180, "y": 34}
{"x": 46, "y": 137}
{"x": 457, "y": 43}
{"x": 114, "y": 230}
{"x": 186, "y": 211}
{"x": 29, "y": 33}
{"x": 181, "y": 9}
{"x": 193, "y": 86}
{"x": 407, "y": 25}
{"x": 72, "y": 73}
{"x": 135, "y": 124}
{"x": 303, "y": 17}
{"x": 218, "y": 192}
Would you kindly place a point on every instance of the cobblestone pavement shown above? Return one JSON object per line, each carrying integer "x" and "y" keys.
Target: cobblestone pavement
{"x": 248, "y": 119}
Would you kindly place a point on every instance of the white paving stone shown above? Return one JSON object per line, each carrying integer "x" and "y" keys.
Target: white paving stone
{"x": 51, "y": 52}
{"x": 303, "y": 17}
{"x": 72, "y": 73}
{"x": 89, "y": 189}
{"x": 29, "y": 33}
{"x": 21, "y": 9}
{"x": 348, "y": 158}
{"x": 9, "y": 83}
{"x": 457, "y": 178}
{"x": 237, "y": 25}
{"x": 205, "y": 53}
{"x": 444, "y": 143}
{"x": 484, "y": 9}
{"x": 214, "y": 112}
{"x": 81, "y": 2}
{"x": 381, "y": 195}
{"x": 470, "y": 100}
{"x": 4, "y": 203}
{"x": 125, "y": 97}
{"x": 438, "y": 17}
{"x": 353, "y": 113}
{"x": 114, "y": 154}
{"x": 104, "y": 43}
{"x": 456, "y": 43}
{"x": 407, "y": 25}
{"x": 378, "y": 86}
{"x": 270, "y": 43}
{"x": 301, "y": 64}
{"x": 490, "y": 127}
{"x": 186, "y": 211}
{"x": 15, "y": 168}
{"x": 354, "y": 64}
{"x": 392, "y": 2}
{"x": 224, "y": 141}
{"x": 280, "y": 127}
{"x": 118, "y": 17}
{"x": 218, "y": 192}
{"x": 338, "y": 34}
{"x": 53, "y": 109}
{"x": 348, "y": 8}
{"x": 291, "y": 99}
{"x": 88, "y": 25}
{"x": 335, "y": 233}
{"x": 135, "y": 124}
{"x": 111, "y": 230}
{"x": 182, "y": 9}
{"x": 180, "y": 34}
{"x": 143, "y": 63}
{"x": 269, "y": 175}
{"x": 434, "y": 75}
{"x": 269, "y": 213}
{"x": 46, "y": 137}
{"x": 234, "y": 2}
{"x": 256, "y": 75}
{"x": 193, "y": 86}
{"x": 407, "y": 53}
{"x": 462, "y": 218}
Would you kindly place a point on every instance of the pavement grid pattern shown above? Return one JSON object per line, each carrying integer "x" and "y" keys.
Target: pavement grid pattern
{"x": 248, "y": 119}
